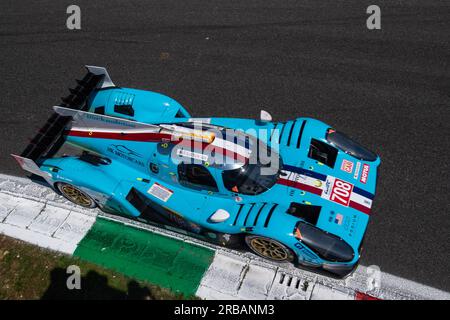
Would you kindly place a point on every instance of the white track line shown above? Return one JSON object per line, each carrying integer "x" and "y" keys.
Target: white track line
{"x": 35, "y": 214}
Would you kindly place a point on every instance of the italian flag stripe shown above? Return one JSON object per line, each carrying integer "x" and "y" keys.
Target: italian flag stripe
{"x": 143, "y": 255}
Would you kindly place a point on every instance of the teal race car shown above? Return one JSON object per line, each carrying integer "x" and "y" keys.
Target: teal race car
{"x": 297, "y": 191}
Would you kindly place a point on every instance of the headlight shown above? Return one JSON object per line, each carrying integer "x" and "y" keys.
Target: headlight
{"x": 350, "y": 146}
{"x": 326, "y": 245}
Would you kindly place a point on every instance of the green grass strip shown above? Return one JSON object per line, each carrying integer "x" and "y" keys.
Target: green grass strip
{"x": 147, "y": 256}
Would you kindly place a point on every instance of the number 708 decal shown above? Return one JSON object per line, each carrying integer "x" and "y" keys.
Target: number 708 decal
{"x": 341, "y": 192}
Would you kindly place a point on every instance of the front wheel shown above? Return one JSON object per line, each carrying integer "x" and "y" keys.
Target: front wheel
{"x": 75, "y": 195}
{"x": 269, "y": 248}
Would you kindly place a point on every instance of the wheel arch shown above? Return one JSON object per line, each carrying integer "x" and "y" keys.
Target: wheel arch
{"x": 67, "y": 170}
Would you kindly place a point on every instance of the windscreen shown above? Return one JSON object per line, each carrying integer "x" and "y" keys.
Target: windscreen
{"x": 248, "y": 179}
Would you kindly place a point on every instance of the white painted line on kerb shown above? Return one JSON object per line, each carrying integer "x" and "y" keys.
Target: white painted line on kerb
{"x": 36, "y": 214}
{"x": 237, "y": 276}
{"x": 30, "y": 213}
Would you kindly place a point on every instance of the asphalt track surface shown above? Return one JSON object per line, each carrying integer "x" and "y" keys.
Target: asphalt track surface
{"x": 388, "y": 88}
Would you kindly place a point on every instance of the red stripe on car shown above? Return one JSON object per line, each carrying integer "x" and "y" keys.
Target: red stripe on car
{"x": 155, "y": 137}
{"x": 359, "y": 207}
{"x": 129, "y": 136}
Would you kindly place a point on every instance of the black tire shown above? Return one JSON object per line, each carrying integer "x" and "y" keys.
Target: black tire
{"x": 75, "y": 195}
{"x": 269, "y": 248}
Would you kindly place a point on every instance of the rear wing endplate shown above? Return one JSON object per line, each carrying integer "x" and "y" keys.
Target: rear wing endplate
{"x": 28, "y": 165}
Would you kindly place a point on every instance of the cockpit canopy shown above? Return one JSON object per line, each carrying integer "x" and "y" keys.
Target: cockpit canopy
{"x": 245, "y": 164}
{"x": 249, "y": 179}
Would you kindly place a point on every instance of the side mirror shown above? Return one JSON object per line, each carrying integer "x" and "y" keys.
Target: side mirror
{"x": 265, "y": 116}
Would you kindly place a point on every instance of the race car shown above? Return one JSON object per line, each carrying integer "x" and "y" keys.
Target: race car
{"x": 296, "y": 192}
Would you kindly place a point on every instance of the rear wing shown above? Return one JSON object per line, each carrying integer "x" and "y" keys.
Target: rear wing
{"x": 49, "y": 139}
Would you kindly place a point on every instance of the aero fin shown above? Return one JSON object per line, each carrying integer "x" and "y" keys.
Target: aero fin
{"x": 106, "y": 81}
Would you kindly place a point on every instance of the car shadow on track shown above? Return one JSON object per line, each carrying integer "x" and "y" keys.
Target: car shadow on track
{"x": 93, "y": 287}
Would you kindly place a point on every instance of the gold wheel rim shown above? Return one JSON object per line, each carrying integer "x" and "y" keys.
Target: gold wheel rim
{"x": 269, "y": 249}
{"x": 76, "y": 196}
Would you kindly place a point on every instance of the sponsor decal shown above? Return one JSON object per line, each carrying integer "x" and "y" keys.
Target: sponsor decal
{"x": 123, "y": 149}
{"x": 350, "y": 225}
{"x": 110, "y": 120}
{"x": 356, "y": 174}
{"x": 201, "y": 120}
{"x": 125, "y": 153}
{"x": 318, "y": 183}
{"x": 341, "y": 191}
{"x": 326, "y": 189}
{"x": 178, "y": 219}
{"x": 63, "y": 178}
{"x": 160, "y": 192}
{"x": 338, "y": 219}
{"x": 364, "y": 173}
{"x": 347, "y": 166}
{"x": 299, "y": 177}
{"x": 192, "y": 155}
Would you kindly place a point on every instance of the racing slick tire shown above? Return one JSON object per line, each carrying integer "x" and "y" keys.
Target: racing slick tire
{"x": 75, "y": 195}
{"x": 269, "y": 248}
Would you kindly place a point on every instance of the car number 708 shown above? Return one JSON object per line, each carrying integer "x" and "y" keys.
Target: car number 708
{"x": 341, "y": 192}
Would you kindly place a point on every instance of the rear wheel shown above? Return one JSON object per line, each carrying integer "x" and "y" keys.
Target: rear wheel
{"x": 269, "y": 248}
{"x": 75, "y": 195}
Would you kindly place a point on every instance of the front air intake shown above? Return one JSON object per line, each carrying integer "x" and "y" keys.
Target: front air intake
{"x": 308, "y": 213}
{"x": 322, "y": 152}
